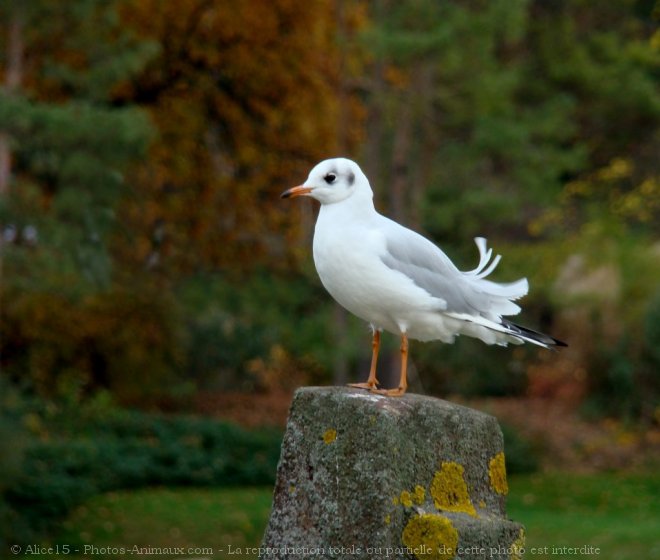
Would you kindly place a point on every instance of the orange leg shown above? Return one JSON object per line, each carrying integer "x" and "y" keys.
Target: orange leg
{"x": 403, "y": 382}
{"x": 371, "y": 382}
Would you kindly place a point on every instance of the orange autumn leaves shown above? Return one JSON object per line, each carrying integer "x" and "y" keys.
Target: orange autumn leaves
{"x": 244, "y": 95}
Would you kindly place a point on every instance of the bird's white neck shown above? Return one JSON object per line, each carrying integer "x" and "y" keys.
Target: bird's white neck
{"x": 358, "y": 207}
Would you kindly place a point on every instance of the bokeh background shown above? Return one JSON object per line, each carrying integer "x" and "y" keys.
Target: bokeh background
{"x": 158, "y": 301}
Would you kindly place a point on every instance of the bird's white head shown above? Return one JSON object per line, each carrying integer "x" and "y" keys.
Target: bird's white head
{"x": 333, "y": 180}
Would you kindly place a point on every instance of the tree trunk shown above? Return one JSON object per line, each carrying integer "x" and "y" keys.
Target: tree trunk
{"x": 427, "y": 138}
{"x": 375, "y": 125}
{"x": 13, "y": 77}
{"x": 339, "y": 315}
{"x": 401, "y": 161}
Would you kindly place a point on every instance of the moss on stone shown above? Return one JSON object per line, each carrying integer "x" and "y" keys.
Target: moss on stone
{"x": 431, "y": 537}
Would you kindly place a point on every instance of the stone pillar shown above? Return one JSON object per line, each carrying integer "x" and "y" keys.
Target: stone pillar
{"x": 367, "y": 476}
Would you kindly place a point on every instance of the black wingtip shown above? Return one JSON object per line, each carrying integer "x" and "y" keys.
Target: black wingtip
{"x": 547, "y": 340}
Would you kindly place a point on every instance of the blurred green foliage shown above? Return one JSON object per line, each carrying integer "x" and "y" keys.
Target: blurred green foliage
{"x": 623, "y": 379}
{"x": 513, "y": 99}
{"x": 522, "y": 455}
{"x": 229, "y": 326}
{"x": 468, "y": 369}
{"x": 14, "y": 439}
{"x": 101, "y": 342}
{"x": 76, "y": 449}
{"x": 143, "y": 248}
{"x": 70, "y": 152}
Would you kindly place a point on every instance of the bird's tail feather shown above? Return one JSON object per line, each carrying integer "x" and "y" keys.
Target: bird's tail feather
{"x": 501, "y": 302}
{"x": 484, "y": 268}
{"x": 501, "y": 295}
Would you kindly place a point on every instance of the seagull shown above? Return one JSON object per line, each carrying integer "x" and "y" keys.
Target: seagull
{"x": 399, "y": 281}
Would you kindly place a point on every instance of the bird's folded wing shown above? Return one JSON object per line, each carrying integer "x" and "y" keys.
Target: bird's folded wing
{"x": 465, "y": 292}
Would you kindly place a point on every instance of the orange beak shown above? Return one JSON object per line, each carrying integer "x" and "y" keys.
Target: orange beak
{"x": 296, "y": 191}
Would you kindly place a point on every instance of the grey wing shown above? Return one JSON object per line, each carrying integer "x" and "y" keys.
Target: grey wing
{"x": 465, "y": 292}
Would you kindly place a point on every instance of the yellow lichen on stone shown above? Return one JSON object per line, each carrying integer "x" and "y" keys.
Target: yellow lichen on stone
{"x": 388, "y": 519}
{"x": 406, "y": 498}
{"x": 330, "y": 435}
{"x": 449, "y": 490}
{"x": 419, "y": 494}
{"x": 497, "y": 474}
{"x": 431, "y": 537}
{"x": 518, "y": 546}
{"x": 395, "y": 500}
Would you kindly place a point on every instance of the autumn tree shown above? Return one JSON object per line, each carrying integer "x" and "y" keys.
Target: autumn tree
{"x": 244, "y": 96}
{"x": 69, "y": 145}
{"x": 240, "y": 99}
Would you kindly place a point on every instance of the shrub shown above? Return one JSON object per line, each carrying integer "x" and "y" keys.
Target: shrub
{"x": 77, "y": 457}
{"x": 521, "y": 455}
{"x": 13, "y": 440}
{"x": 106, "y": 338}
{"x": 470, "y": 368}
{"x": 623, "y": 379}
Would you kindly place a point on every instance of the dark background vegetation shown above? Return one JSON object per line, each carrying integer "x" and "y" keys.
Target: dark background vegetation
{"x": 152, "y": 281}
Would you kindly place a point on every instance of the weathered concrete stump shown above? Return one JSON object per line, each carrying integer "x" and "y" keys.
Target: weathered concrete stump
{"x": 366, "y": 476}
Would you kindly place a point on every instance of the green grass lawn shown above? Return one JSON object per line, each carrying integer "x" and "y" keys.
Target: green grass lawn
{"x": 194, "y": 520}
{"x": 617, "y": 514}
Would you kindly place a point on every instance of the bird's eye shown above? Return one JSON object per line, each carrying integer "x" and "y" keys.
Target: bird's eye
{"x": 330, "y": 178}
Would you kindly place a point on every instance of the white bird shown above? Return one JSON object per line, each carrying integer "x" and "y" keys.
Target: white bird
{"x": 399, "y": 281}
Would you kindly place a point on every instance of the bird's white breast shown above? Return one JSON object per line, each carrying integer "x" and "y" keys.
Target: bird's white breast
{"x": 347, "y": 255}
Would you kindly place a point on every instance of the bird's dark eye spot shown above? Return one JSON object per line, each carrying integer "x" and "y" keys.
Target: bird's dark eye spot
{"x": 330, "y": 178}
